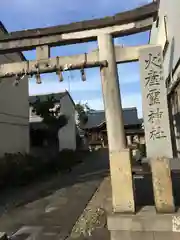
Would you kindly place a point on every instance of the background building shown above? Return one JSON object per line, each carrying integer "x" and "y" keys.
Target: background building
{"x": 165, "y": 32}
{"x": 95, "y": 127}
{"x": 66, "y": 134}
{"x": 14, "y": 109}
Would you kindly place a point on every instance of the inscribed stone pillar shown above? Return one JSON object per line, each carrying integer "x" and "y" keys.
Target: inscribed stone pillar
{"x": 120, "y": 166}
{"x": 154, "y": 101}
{"x": 157, "y": 125}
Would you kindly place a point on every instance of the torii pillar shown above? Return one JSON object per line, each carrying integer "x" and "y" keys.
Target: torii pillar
{"x": 119, "y": 155}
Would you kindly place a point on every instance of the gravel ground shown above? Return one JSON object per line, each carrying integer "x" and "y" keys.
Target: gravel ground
{"x": 92, "y": 222}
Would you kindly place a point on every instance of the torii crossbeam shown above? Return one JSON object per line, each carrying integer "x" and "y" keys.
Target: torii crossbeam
{"x": 121, "y": 24}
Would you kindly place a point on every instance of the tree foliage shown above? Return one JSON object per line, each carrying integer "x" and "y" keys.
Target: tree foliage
{"x": 50, "y": 113}
{"x": 83, "y": 110}
{"x": 82, "y": 115}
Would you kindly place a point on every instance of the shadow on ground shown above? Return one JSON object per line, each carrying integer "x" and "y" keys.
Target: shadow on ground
{"x": 94, "y": 167}
{"x": 56, "y": 203}
{"x": 144, "y": 190}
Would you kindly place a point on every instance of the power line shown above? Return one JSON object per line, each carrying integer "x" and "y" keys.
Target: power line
{"x": 15, "y": 124}
{"x": 13, "y": 115}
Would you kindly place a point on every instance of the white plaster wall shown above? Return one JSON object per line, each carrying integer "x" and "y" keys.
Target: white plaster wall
{"x": 171, "y": 8}
{"x": 14, "y": 112}
{"x": 67, "y": 134}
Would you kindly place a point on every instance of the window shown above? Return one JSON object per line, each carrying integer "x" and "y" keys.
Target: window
{"x": 157, "y": 22}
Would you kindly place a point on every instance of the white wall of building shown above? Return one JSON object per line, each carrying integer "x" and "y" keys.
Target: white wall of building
{"x": 14, "y": 112}
{"x": 171, "y": 9}
{"x": 67, "y": 134}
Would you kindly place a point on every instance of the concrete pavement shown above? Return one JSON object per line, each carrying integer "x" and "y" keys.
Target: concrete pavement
{"x": 54, "y": 215}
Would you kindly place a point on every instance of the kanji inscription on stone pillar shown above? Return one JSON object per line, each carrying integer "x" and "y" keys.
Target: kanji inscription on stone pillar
{"x": 154, "y": 103}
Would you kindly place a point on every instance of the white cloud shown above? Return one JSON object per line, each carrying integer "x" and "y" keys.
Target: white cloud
{"x": 92, "y": 84}
{"x": 128, "y": 101}
{"x": 141, "y": 2}
{"x": 89, "y": 85}
{"x": 67, "y": 5}
{"x": 30, "y": 5}
{"x": 129, "y": 78}
{"x": 92, "y": 46}
{"x": 65, "y": 8}
{"x": 133, "y": 100}
{"x": 96, "y": 104}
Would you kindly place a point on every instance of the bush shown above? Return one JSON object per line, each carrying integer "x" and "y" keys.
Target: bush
{"x": 18, "y": 169}
{"x": 21, "y": 169}
{"x": 79, "y": 141}
{"x": 65, "y": 160}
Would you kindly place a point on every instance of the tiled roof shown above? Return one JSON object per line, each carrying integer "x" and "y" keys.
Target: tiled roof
{"x": 44, "y": 97}
{"x": 97, "y": 118}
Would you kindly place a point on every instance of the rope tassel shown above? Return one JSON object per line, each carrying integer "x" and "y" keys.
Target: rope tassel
{"x": 38, "y": 78}
{"x": 60, "y": 75}
{"x": 83, "y": 75}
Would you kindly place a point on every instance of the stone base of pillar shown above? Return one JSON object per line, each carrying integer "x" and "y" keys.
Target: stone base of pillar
{"x": 146, "y": 224}
{"x": 162, "y": 185}
{"x": 174, "y": 163}
{"x": 121, "y": 181}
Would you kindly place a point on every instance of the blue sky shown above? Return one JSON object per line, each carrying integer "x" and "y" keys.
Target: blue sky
{"x": 25, "y": 14}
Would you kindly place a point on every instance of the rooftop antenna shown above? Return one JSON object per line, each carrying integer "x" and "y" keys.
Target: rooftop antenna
{"x": 70, "y": 76}
{"x": 69, "y": 84}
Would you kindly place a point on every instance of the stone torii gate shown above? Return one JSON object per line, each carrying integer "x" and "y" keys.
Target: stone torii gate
{"x": 106, "y": 56}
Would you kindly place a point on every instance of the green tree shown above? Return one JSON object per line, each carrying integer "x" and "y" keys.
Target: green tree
{"x": 50, "y": 113}
{"x": 83, "y": 110}
{"x": 81, "y": 114}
